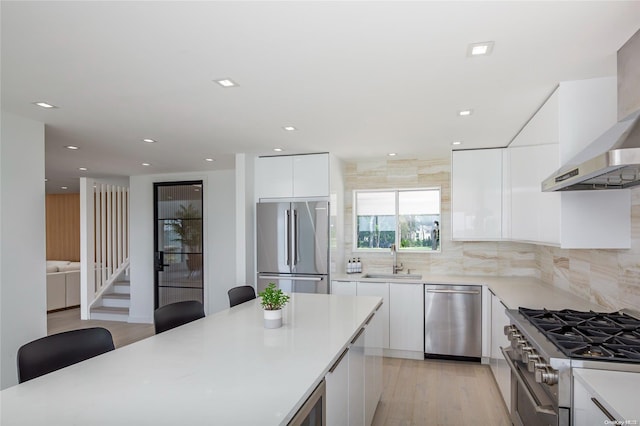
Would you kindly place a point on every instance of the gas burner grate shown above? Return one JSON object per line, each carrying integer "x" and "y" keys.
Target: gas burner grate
{"x": 589, "y": 335}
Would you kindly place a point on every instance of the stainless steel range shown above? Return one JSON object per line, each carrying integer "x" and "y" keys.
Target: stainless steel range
{"x": 546, "y": 345}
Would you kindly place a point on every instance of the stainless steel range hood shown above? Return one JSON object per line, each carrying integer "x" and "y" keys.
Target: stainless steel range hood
{"x": 611, "y": 162}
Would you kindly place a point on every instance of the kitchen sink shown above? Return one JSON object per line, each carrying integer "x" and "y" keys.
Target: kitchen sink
{"x": 394, "y": 276}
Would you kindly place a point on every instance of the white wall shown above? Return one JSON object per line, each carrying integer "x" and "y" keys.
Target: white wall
{"x": 245, "y": 214}
{"x": 337, "y": 215}
{"x": 22, "y": 240}
{"x": 219, "y": 239}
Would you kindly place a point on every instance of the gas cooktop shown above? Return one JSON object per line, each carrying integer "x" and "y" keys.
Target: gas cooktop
{"x": 589, "y": 335}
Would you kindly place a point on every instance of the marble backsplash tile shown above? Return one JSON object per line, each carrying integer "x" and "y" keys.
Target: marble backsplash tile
{"x": 610, "y": 278}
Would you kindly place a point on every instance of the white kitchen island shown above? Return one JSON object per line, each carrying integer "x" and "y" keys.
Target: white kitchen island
{"x": 225, "y": 369}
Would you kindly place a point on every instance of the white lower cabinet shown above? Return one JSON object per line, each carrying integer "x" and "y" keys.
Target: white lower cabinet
{"x": 406, "y": 317}
{"x": 372, "y": 366}
{"x": 337, "y": 383}
{"x": 499, "y": 366}
{"x": 354, "y": 382}
{"x": 378, "y": 290}
{"x": 348, "y": 288}
{"x": 588, "y": 409}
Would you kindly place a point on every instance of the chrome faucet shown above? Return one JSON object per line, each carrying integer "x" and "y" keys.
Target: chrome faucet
{"x": 394, "y": 253}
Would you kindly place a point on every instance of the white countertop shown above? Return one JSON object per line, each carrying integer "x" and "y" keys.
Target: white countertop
{"x": 616, "y": 390}
{"x": 225, "y": 369}
{"x": 513, "y": 291}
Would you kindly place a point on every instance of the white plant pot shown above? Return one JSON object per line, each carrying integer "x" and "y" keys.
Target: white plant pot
{"x": 273, "y": 319}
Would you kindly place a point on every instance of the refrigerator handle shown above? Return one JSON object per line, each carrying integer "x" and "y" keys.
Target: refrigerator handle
{"x": 287, "y": 237}
{"x": 296, "y": 237}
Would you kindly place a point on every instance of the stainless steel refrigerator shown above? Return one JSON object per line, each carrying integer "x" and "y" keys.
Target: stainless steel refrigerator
{"x": 293, "y": 245}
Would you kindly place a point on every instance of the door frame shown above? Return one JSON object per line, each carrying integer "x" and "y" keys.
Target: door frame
{"x": 205, "y": 264}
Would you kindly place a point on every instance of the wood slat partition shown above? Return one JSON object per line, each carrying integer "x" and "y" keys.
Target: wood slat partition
{"x": 63, "y": 227}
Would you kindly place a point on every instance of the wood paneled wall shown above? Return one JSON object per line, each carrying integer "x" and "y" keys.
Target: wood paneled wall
{"x": 63, "y": 227}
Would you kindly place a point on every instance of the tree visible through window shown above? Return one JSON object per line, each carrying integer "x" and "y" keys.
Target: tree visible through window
{"x": 407, "y": 218}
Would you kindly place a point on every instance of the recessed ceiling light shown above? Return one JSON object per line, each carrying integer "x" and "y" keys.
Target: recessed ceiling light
{"x": 289, "y": 128}
{"x": 148, "y": 140}
{"x": 82, "y": 169}
{"x": 64, "y": 187}
{"x": 209, "y": 159}
{"x": 456, "y": 143}
{"x": 72, "y": 147}
{"x": 277, "y": 149}
{"x": 480, "y": 49}
{"x": 392, "y": 154}
{"x": 225, "y": 82}
{"x": 44, "y": 105}
{"x": 146, "y": 164}
{"x": 465, "y": 112}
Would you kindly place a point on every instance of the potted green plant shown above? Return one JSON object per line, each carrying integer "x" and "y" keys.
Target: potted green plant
{"x": 188, "y": 228}
{"x": 273, "y": 299}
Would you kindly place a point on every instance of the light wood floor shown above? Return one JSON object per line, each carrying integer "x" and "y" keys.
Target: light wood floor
{"x": 123, "y": 333}
{"x": 433, "y": 392}
{"x": 416, "y": 393}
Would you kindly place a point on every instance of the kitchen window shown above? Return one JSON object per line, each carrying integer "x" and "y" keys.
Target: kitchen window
{"x": 408, "y": 218}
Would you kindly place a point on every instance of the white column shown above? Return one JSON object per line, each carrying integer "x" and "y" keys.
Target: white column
{"x": 23, "y": 304}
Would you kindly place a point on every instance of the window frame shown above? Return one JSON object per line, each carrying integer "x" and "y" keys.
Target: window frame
{"x": 396, "y": 191}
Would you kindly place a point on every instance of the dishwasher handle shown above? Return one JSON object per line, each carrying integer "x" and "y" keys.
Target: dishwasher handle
{"x": 454, "y": 291}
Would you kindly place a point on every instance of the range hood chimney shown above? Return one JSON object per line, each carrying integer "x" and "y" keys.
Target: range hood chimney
{"x": 612, "y": 161}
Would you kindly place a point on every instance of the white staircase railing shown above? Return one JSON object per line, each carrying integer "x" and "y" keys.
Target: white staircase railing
{"x": 104, "y": 237}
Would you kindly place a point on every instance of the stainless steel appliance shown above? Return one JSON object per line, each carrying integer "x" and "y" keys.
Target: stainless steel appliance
{"x": 546, "y": 345}
{"x": 453, "y": 320}
{"x": 314, "y": 411}
{"x": 293, "y": 245}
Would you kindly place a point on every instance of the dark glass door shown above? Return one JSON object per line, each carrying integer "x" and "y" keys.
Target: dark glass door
{"x": 178, "y": 257}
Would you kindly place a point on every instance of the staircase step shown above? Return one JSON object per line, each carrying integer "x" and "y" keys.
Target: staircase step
{"x": 116, "y": 300}
{"x": 107, "y": 313}
{"x": 122, "y": 287}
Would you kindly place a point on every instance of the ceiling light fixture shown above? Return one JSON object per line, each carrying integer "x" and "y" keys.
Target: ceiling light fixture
{"x": 289, "y": 128}
{"x": 45, "y": 105}
{"x": 209, "y": 159}
{"x": 480, "y": 49}
{"x": 277, "y": 149}
{"x": 225, "y": 82}
{"x": 146, "y": 164}
{"x": 82, "y": 169}
{"x": 456, "y": 143}
{"x": 64, "y": 187}
{"x": 465, "y": 112}
{"x": 72, "y": 147}
{"x": 148, "y": 140}
{"x": 392, "y": 154}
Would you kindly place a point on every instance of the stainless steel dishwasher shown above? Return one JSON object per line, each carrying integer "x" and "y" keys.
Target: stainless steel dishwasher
{"x": 453, "y": 320}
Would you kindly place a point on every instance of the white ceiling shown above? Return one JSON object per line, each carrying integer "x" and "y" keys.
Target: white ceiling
{"x": 358, "y": 79}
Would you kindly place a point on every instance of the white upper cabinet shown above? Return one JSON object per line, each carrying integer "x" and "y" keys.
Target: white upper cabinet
{"x": 292, "y": 176}
{"x": 274, "y": 177}
{"x": 576, "y": 114}
{"x": 535, "y": 215}
{"x": 586, "y": 109}
{"x": 590, "y": 219}
{"x": 476, "y": 194}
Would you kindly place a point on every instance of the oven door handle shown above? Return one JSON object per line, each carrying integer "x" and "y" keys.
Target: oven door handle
{"x": 542, "y": 409}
